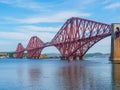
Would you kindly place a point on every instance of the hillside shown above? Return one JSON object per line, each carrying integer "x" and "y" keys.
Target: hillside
{"x": 97, "y": 55}
{"x": 51, "y": 55}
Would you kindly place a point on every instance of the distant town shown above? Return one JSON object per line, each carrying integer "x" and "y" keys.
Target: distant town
{"x": 50, "y": 55}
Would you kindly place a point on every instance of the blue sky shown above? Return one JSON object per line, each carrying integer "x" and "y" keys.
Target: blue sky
{"x": 22, "y": 19}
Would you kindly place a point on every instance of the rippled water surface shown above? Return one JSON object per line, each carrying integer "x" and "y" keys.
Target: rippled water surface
{"x": 55, "y": 74}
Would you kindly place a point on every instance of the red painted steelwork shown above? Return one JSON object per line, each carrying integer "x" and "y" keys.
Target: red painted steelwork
{"x": 78, "y": 35}
{"x": 74, "y": 38}
{"x": 35, "y": 47}
{"x": 20, "y": 51}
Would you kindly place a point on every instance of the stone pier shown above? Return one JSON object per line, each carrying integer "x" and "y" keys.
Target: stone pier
{"x": 71, "y": 58}
{"x": 115, "y": 43}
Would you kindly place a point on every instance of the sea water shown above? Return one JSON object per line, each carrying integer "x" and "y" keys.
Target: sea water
{"x": 56, "y": 74}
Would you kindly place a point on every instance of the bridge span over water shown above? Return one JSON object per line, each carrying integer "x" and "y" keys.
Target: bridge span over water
{"x": 73, "y": 39}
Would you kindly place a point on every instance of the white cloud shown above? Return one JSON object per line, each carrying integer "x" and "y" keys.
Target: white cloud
{"x": 28, "y": 4}
{"x": 13, "y": 35}
{"x": 113, "y": 6}
{"x": 16, "y": 37}
{"x": 10, "y": 40}
{"x": 58, "y": 17}
{"x": 32, "y": 28}
{"x": 78, "y": 4}
{"x": 27, "y": 31}
{"x": 26, "y": 36}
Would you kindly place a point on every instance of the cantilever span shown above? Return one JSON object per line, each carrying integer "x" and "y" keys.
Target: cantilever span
{"x": 20, "y": 50}
{"x": 73, "y": 39}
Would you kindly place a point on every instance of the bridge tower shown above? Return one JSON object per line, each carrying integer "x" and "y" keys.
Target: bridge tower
{"x": 20, "y": 51}
{"x": 115, "y": 43}
{"x": 34, "y": 47}
{"x": 77, "y": 36}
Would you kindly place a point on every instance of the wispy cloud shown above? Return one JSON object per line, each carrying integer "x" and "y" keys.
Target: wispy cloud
{"x": 24, "y": 36}
{"x": 113, "y": 6}
{"x": 106, "y": 1}
{"x": 11, "y": 39}
{"x": 58, "y": 17}
{"x": 28, "y": 4}
{"x": 87, "y": 2}
{"x": 33, "y": 28}
{"x": 13, "y": 35}
{"x": 22, "y": 19}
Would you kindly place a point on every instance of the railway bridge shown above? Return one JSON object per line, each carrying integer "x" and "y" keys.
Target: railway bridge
{"x": 74, "y": 39}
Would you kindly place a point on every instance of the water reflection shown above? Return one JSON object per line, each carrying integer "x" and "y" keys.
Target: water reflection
{"x": 116, "y": 76}
{"x": 84, "y": 77}
{"x": 71, "y": 76}
{"x": 34, "y": 77}
{"x": 59, "y": 75}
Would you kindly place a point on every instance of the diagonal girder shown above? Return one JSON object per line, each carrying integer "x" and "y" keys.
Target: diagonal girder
{"x": 20, "y": 51}
{"x": 74, "y": 38}
{"x": 34, "y": 47}
{"x": 77, "y": 35}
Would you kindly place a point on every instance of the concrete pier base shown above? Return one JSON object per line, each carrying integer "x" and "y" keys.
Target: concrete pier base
{"x": 115, "y": 43}
{"x": 70, "y": 59}
{"x": 77, "y": 58}
{"x": 115, "y": 60}
{"x": 64, "y": 58}
{"x": 82, "y": 58}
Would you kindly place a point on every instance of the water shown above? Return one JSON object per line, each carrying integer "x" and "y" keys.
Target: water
{"x": 54, "y": 74}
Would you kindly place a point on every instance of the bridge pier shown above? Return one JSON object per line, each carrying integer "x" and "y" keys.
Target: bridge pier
{"x": 64, "y": 58}
{"x": 77, "y": 58}
{"x": 67, "y": 58}
{"x": 71, "y": 58}
{"x": 115, "y": 43}
{"x": 82, "y": 58}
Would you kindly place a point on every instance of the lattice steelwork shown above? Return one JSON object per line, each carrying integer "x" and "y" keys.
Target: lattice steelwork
{"x": 34, "y": 47}
{"x": 74, "y": 38}
{"x": 77, "y": 35}
{"x": 20, "y": 51}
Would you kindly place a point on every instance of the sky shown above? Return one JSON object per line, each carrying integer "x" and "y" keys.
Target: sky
{"x": 22, "y": 19}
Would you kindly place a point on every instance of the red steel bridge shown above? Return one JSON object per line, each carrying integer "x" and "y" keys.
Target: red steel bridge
{"x": 73, "y": 39}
